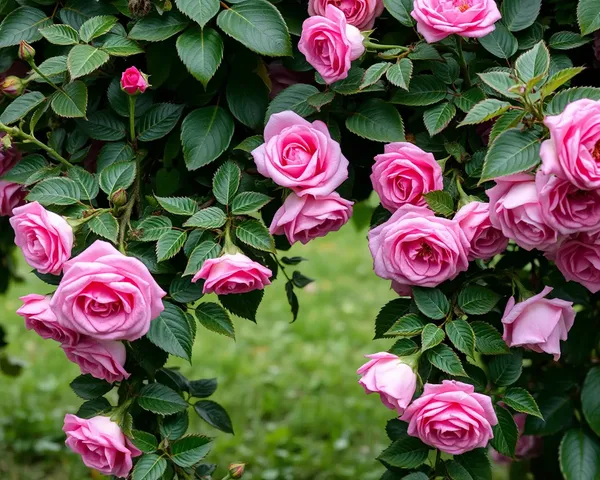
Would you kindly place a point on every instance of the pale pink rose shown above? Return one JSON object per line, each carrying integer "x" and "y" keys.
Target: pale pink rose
{"x": 45, "y": 238}
{"x": 578, "y": 259}
{"x": 233, "y": 274}
{"x": 101, "y": 444}
{"x": 414, "y": 247}
{"x": 403, "y": 174}
{"x": 360, "y": 13}
{"x": 486, "y": 240}
{"x": 528, "y": 446}
{"x": 103, "y": 359}
{"x": 437, "y": 19}
{"x": 133, "y": 81}
{"x": 9, "y": 157}
{"x": 573, "y": 150}
{"x": 107, "y": 295}
{"x": 302, "y": 219}
{"x": 538, "y": 323}
{"x": 515, "y": 209}
{"x": 11, "y": 196}
{"x": 40, "y": 318}
{"x": 282, "y": 77}
{"x": 451, "y": 417}
{"x": 393, "y": 380}
{"x": 300, "y": 155}
{"x": 330, "y": 44}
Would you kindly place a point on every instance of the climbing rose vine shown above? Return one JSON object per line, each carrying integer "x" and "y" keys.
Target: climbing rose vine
{"x": 159, "y": 157}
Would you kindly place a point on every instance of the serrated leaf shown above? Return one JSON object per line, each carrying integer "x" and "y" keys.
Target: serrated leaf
{"x": 158, "y": 121}
{"x": 505, "y": 370}
{"x": 201, "y": 51}
{"x": 24, "y": 169}
{"x": 226, "y": 182}
{"x": 400, "y": 10}
{"x": 488, "y": 340}
{"x": 96, "y": 27}
{"x": 406, "y": 452}
{"x": 431, "y": 336}
{"x": 505, "y": 433}
{"x": 431, "y": 302}
{"x": 171, "y": 332}
{"x": 510, "y": 119}
{"x": 437, "y": 118}
{"x": 160, "y": 399}
{"x": 174, "y": 426}
{"x": 424, "y": 90}
{"x": 215, "y": 318}
{"x": 521, "y": 400}
{"x": 389, "y": 314}
{"x": 144, "y": 441}
{"x": 60, "y": 34}
{"x": 440, "y": 202}
{"x": 89, "y": 388}
{"x": 378, "y": 121}
{"x": 444, "y": 358}
{"x": 116, "y": 176}
{"x": 189, "y": 450}
{"x": 294, "y": 98}
{"x": 500, "y": 42}
{"x": 462, "y": 336}
{"x": 517, "y": 15}
{"x": 169, "y": 244}
{"x": 567, "y": 40}
{"x": 214, "y": 414}
{"x": 103, "y": 125}
{"x": 105, "y": 225}
{"x": 22, "y": 23}
{"x": 118, "y": 46}
{"x": 248, "y": 202}
{"x": 84, "y": 59}
{"x": 211, "y": 217}
{"x": 178, "y": 205}
{"x": 255, "y": 234}
{"x": 477, "y": 300}
{"x": 484, "y": 111}
{"x": 513, "y": 151}
{"x": 477, "y": 464}
{"x": 149, "y": 467}
{"x": 400, "y": 73}
{"x": 404, "y": 347}
{"x": 588, "y": 16}
{"x": 579, "y": 455}
{"x": 201, "y": 11}
{"x": 407, "y": 326}
{"x": 71, "y": 101}
{"x": 156, "y": 28}
{"x": 570, "y": 95}
{"x": 55, "y": 191}
{"x": 467, "y": 99}
{"x": 200, "y": 254}
{"x": 21, "y": 106}
{"x": 374, "y": 73}
{"x": 182, "y": 290}
{"x": 533, "y": 65}
{"x": 501, "y": 82}
{"x": 560, "y": 78}
{"x": 151, "y": 228}
{"x": 243, "y": 305}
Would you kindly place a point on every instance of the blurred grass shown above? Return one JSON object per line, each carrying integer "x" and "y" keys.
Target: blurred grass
{"x": 290, "y": 388}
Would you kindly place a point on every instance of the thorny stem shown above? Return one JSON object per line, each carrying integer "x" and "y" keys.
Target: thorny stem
{"x": 132, "y": 119}
{"x": 16, "y": 132}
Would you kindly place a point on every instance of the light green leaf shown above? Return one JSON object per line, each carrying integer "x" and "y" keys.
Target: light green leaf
{"x": 562, "y": 99}
{"x": 533, "y": 65}
{"x": 431, "y": 335}
{"x": 484, "y": 111}
{"x": 211, "y": 217}
{"x": 105, "y": 225}
{"x": 55, "y": 191}
{"x": 440, "y": 202}
{"x": 437, "y": 118}
{"x": 521, "y": 400}
{"x": 374, "y": 73}
{"x": 513, "y": 151}
{"x": 84, "y": 59}
{"x": 96, "y": 27}
{"x": 199, "y": 255}
{"x": 169, "y": 244}
{"x": 248, "y": 202}
{"x": 178, "y": 205}
{"x": 60, "y": 34}
{"x": 400, "y": 10}
{"x": 560, "y": 78}
{"x": 501, "y": 82}
{"x": 156, "y": 28}
{"x": 567, "y": 40}
{"x": 71, "y": 101}
{"x": 400, "y": 73}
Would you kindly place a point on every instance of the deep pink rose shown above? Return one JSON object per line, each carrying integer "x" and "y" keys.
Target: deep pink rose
{"x": 451, "y": 417}
{"x": 282, "y": 77}
{"x": 515, "y": 209}
{"x": 360, "y": 13}
{"x": 233, "y": 274}
{"x": 403, "y": 174}
{"x": 45, "y": 238}
{"x": 133, "y": 81}
{"x": 393, "y": 380}
{"x": 101, "y": 444}
{"x": 578, "y": 259}
{"x": 9, "y": 157}
{"x": 302, "y": 219}
{"x": 414, "y": 247}
{"x": 11, "y": 196}
{"x": 103, "y": 359}
{"x": 528, "y": 446}
{"x": 106, "y": 295}
{"x": 437, "y": 19}
{"x": 573, "y": 150}
{"x": 40, "y": 318}
{"x": 538, "y": 323}
{"x": 330, "y": 44}
{"x": 486, "y": 240}
{"x": 300, "y": 155}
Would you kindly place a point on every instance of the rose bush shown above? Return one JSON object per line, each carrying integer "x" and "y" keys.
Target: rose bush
{"x": 155, "y": 152}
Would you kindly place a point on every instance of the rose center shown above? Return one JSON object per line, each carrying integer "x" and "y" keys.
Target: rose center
{"x": 462, "y": 5}
{"x": 596, "y": 151}
{"x": 425, "y": 252}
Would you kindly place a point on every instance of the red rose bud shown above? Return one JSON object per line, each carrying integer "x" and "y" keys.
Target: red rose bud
{"x": 236, "y": 470}
{"x": 134, "y": 82}
{"x": 119, "y": 198}
{"x": 12, "y": 86}
{"x": 26, "y": 51}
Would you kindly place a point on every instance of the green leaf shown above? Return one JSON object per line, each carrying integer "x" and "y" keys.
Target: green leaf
{"x": 488, "y": 340}
{"x": 255, "y": 234}
{"x": 248, "y": 98}
{"x": 389, "y": 314}
{"x": 533, "y": 65}
{"x": 24, "y": 169}
{"x": 517, "y": 15}
{"x": 257, "y": 25}
{"x": 203, "y": 388}
{"x": 105, "y": 225}
{"x": 250, "y": 143}
{"x": 590, "y": 399}
{"x": 248, "y": 202}
{"x": 513, "y": 151}
{"x": 400, "y": 73}
{"x": 23, "y": 23}
{"x": 404, "y": 347}
{"x": 201, "y": 11}
{"x": 21, "y": 106}
{"x": 437, "y": 118}
{"x": 174, "y": 426}
{"x": 431, "y": 336}
{"x": 151, "y": 228}
{"x": 408, "y": 325}
{"x": 226, "y": 182}
{"x": 214, "y": 317}
{"x": 567, "y": 40}
{"x": 144, "y": 441}
{"x": 60, "y": 34}
{"x": 505, "y": 370}
{"x": 178, "y": 205}
{"x": 88, "y": 387}
{"x": 55, "y": 68}
{"x": 505, "y": 433}
{"x": 467, "y": 99}
{"x": 71, "y": 101}
{"x": 158, "y": 121}
{"x": 200, "y": 254}
{"x": 149, "y": 467}
{"x": 189, "y": 450}
{"x": 243, "y": 305}
{"x": 588, "y": 16}
{"x": 169, "y": 244}
{"x": 182, "y": 290}
{"x": 440, "y": 202}
{"x": 431, "y": 302}
{"x": 462, "y": 336}
{"x": 500, "y": 43}
{"x": 160, "y": 399}
{"x": 502, "y": 82}
{"x": 113, "y": 153}
{"x": 205, "y": 135}
{"x": 294, "y": 98}
{"x": 378, "y": 121}
{"x": 424, "y": 90}
{"x": 84, "y": 59}
{"x": 214, "y": 414}
{"x": 477, "y": 300}
{"x": 456, "y": 471}
{"x": 211, "y": 217}
{"x": 119, "y": 46}
{"x": 476, "y": 463}
{"x": 201, "y": 51}
{"x": 319, "y": 100}
{"x": 444, "y": 358}
{"x": 484, "y": 111}
{"x": 521, "y": 400}
{"x": 406, "y": 452}
{"x": 96, "y": 27}
{"x": 55, "y": 191}
{"x": 103, "y": 125}
{"x": 579, "y": 456}
{"x": 562, "y": 99}
{"x": 424, "y": 51}
{"x": 116, "y": 176}
{"x": 400, "y": 10}
{"x": 171, "y": 332}
{"x": 374, "y": 73}
{"x": 156, "y": 28}
{"x": 560, "y": 78}
{"x": 510, "y": 119}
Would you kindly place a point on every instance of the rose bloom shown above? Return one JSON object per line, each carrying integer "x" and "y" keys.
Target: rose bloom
{"x": 107, "y": 295}
{"x": 437, "y": 19}
{"x": 9, "y": 157}
{"x": 578, "y": 259}
{"x": 451, "y": 417}
{"x": 538, "y": 323}
{"x": 360, "y": 13}
{"x": 11, "y": 196}
{"x": 515, "y": 209}
{"x": 393, "y": 380}
{"x": 403, "y": 174}
{"x": 414, "y": 247}
{"x": 300, "y": 155}
{"x": 528, "y": 446}
{"x": 133, "y": 81}
{"x": 302, "y": 219}
{"x": 103, "y": 359}
{"x": 330, "y": 44}
{"x": 573, "y": 150}
{"x": 40, "y": 318}
{"x": 101, "y": 444}
{"x": 45, "y": 238}
{"x": 233, "y": 274}
{"x": 486, "y": 240}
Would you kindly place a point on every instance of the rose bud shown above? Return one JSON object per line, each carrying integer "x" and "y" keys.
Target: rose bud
{"x": 26, "y": 51}
{"x": 236, "y": 470}
{"x": 119, "y": 198}
{"x": 12, "y": 86}
{"x": 134, "y": 82}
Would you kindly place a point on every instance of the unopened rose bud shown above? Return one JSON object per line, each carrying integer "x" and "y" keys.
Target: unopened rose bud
{"x": 6, "y": 142}
{"x": 236, "y": 470}
{"x": 12, "y": 86}
{"x": 119, "y": 198}
{"x": 140, "y": 8}
{"x": 134, "y": 82}
{"x": 26, "y": 51}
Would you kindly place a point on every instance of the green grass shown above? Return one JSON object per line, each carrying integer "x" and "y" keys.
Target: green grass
{"x": 290, "y": 389}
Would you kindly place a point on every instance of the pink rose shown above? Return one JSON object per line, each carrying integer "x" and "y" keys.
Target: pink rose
{"x": 451, "y": 417}
{"x": 302, "y": 219}
{"x": 403, "y": 174}
{"x": 515, "y": 209}
{"x": 360, "y": 13}
{"x": 578, "y": 259}
{"x": 573, "y": 150}
{"x": 233, "y": 274}
{"x": 437, "y": 19}
{"x": 402, "y": 289}
{"x": 486, "y": 240}
{"x": 300, "y": 155}
{"x": 330, "y": 44}
{"x": 538, "y": 323}
{"x": 414, "y": 247}
{"x": 387, "y": 375}
{"x": 133, "y": 81}
{"x": 528, "y": 446}
{"x": 101, "y": 444}
{"x": 101, "y": 359}
{"x": 566, "y": 208}
{"x": 40, "y": 318}
{"x": 45, "y": 238}
{"x": 106, "y": 295}
{"x": 9, "y": 157}
{"x": 11, "y": 195}
{"x": 282, "y": 77}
